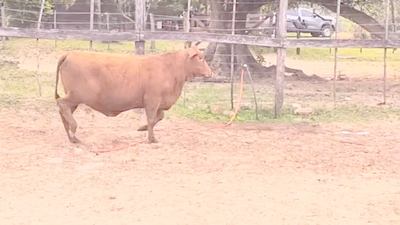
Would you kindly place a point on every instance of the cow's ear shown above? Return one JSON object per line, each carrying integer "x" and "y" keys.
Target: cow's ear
{"x": 192, "y": 53}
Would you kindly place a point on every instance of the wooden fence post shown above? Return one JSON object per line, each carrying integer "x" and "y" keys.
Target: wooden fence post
{"x": 153, "y": 28}
{"x": 385, "y": 52}
{"x": 91, "y": 20}
{"x": 280, "y": 59}
{"x": 254, "y": 91}
{"x": 108, "y": 27}
{"x": 186, "y": 23}
{"x": 3, "y": 24}
{"x": 298, "y": 37}
{"x": 55, "y": 26}
{"x": 336, "y": 52}
{"x": 98, "y": 14}
{"x": 233, "y": 50}
{"x": 37, "y": 50}
{"x": 393, "y": 16}
{"x": 140, "y": 22}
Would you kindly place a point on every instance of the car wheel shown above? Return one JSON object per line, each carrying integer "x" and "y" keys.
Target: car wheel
{"x": 326, "y": 31}
{"x": 315, "y": 34}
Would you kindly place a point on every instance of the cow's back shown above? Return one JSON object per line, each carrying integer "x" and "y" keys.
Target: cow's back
{"x": 118, "y": 82}
{"x": 102, "y": 81}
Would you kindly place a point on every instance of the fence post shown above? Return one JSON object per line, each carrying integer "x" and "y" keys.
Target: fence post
{"x": 140, "y": 22}
{"x": 385, "y": 52}
{"x": 3, "y": 24}
{"x": 233, "y": 50}
{"x": 55, "y": 26}
{"x": 298, "y": 37}
{"x": 98, "y": 14}
{"x": 254, "y": 91}
{"x": 37, "y": 50}
{"x": 393, "y": 16}
{"x": 40, "y": 14}
{"x": 153, "y": 28}
{"x": 186, "y": 23}
{"x": 108, "y": 27}
{"x": 91, "y": 20}
{"x": 280, "y": 59}
{"x": 336, "y": 52}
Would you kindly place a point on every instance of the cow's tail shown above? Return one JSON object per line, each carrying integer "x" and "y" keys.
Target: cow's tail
{"x": 60, "y": 61}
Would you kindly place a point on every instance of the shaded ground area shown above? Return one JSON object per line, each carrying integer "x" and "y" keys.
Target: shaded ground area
{"x": 244, "y": 174}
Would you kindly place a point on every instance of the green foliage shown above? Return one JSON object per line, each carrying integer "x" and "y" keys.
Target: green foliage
{"x": 174, "y": 7}
{"x": 25, "y": 13}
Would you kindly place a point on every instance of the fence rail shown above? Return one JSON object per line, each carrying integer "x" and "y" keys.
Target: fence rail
{"x": 97, "y": 35}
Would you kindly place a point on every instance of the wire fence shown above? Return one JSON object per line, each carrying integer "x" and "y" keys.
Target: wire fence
{"x": 302, "y": 23}
{"x": 111, "y": 17}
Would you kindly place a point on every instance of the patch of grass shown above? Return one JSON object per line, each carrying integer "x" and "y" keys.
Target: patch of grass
{"x": 344, "y": 54}
{"x": 17, "y": 83}
{"x": 210, "y": 102}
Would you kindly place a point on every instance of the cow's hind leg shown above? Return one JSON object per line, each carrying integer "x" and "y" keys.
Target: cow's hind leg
{"x": 160, "y": 116}
{"x": 66, "y": 110}
{"x": 153, "y": 116}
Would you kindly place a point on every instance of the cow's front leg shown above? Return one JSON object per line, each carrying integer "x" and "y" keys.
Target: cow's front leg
{"x": 153, "y": 116}
{"x": 160, "y": 116}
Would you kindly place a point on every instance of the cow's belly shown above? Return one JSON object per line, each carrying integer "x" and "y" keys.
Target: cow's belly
{"x": 111, "y": 104}
{"x": 112, "y": 111}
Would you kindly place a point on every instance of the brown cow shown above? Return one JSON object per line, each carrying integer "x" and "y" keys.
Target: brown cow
{"x": 112, "y": 83}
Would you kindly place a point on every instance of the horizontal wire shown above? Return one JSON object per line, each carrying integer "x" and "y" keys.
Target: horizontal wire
{"x": 219, "y": 2}
{"x": 211, "y": 20}
{"x": 132, "y": 12}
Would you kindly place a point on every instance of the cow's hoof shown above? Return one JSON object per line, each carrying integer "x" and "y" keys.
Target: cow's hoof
{"x": 143, "y": 128}
{"x": 74, "y": 140}
{"x": 153, "y": 140}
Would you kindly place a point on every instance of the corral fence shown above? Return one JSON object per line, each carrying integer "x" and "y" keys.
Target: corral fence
{"x": 94, "y": 20}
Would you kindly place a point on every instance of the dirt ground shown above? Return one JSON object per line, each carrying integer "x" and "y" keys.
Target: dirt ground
{"x": 243, "y": 174}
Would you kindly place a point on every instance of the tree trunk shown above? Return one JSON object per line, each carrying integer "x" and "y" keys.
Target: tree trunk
{"x": 218, "y": 55}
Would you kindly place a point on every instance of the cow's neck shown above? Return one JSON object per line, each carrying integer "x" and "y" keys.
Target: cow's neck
{"x": 180, "y": 77}
{"x": 180, "y": 81}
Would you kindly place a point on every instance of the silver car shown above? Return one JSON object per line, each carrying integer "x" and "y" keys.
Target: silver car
{"x": 298, "y": 19}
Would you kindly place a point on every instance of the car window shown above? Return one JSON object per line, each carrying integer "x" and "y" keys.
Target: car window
{"x": 306, "y": 13}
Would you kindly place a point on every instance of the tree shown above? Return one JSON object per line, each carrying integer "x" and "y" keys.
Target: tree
{"x": 218, "y": 54}
{"x": 26, "y": 13}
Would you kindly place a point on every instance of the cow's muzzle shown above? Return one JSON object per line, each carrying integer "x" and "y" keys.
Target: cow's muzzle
{"x": 209, "y": 75}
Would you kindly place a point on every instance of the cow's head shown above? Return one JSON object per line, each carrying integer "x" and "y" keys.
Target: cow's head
{"x": 196, "y": 65}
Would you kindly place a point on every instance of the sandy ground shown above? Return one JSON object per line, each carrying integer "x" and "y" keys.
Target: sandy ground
{"x": 244, "y": 174}
{"x": 325, "y": 69}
